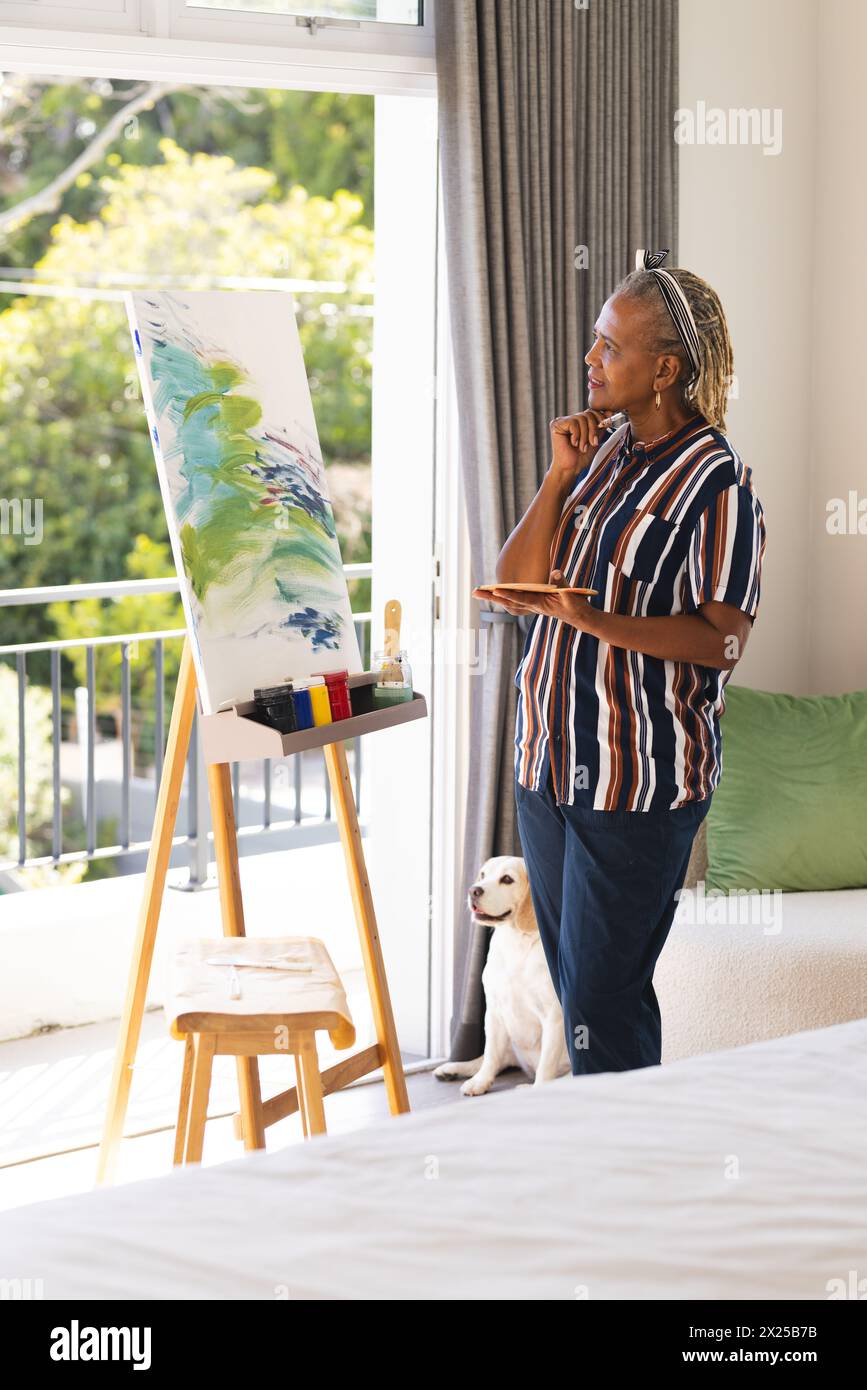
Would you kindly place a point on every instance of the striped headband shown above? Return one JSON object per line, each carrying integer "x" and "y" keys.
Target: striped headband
{"x": 676, "y": 303}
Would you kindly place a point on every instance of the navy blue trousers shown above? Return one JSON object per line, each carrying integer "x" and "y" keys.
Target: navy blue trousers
{"x": 603, "y": 887}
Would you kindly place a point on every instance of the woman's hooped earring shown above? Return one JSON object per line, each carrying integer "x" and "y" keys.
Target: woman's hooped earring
{"x": 658, "y": 400}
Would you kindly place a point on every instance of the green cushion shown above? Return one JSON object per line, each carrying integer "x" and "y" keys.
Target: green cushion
{"x": 790, "y": 811}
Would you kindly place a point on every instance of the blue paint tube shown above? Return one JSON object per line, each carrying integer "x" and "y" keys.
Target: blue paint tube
{"x": 303, "y": 705}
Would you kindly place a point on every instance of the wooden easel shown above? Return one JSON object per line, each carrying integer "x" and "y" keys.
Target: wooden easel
{"x": 255, "y": 1114}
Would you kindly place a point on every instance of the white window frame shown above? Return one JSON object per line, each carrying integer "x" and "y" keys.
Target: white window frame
{"x": 164, "y": 58}
{"x": 191, "y": 21}
{"x": 123, "y": 16}
{"x": 456, "y": 627}
{"x": 154, "y": 39}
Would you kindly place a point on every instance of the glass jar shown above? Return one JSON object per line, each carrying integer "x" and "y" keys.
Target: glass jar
{"x": 393, "y": 679}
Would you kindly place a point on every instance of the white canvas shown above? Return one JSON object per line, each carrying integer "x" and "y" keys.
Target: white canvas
{"x": 242, "y": 479}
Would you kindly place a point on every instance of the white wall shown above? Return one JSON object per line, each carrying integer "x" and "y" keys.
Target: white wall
{"x": 838, "y": 457}
{"x": 747, "y": 226}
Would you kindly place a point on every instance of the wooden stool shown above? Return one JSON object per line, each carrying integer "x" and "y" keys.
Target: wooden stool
{"x": 278, "y": 1011}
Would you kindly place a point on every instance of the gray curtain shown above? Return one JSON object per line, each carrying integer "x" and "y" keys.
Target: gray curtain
{"x": 556, "y": 133}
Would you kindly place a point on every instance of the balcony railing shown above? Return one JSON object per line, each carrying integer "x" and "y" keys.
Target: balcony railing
{"x": 263, "y": 822}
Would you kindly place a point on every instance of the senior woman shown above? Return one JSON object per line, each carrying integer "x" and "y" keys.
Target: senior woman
{"x": 617, "y": 738}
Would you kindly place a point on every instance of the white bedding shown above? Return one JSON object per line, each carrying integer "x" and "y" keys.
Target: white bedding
{"x": 616, "y": 1186}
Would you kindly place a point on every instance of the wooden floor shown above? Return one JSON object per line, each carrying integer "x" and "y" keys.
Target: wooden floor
{"x": 425, "y": 1091}
{"x": 52, "y": 1097}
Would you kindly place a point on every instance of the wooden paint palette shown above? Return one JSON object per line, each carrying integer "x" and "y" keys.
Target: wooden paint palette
{"x": 533, "y": 588}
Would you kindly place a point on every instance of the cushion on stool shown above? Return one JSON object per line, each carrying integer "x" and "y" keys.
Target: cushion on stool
{"x": 197, "y": 990}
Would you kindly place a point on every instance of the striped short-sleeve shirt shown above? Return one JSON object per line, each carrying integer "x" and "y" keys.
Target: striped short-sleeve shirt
{"x": 656, "y": 530}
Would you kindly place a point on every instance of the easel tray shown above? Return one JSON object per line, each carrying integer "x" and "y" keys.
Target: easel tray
{"x": 235, "y": 736}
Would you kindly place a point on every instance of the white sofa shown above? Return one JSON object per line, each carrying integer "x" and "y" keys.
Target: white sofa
{"x": 748, "y": 968}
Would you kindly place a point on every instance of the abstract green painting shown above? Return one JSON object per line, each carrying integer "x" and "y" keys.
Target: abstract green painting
{"x": 239, "y": 465}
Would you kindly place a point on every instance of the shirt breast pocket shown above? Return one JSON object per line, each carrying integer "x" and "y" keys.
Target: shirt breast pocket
{"x": 643, "y": 546}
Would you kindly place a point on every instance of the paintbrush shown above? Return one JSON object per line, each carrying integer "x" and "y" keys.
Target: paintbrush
{"x": 391, "y": 670}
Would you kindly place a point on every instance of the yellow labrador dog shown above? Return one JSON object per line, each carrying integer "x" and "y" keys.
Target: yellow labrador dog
{"x": 523, "y": 1018}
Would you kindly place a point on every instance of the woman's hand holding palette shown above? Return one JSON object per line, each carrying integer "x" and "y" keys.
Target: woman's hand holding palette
{"x": 551, "y": 600}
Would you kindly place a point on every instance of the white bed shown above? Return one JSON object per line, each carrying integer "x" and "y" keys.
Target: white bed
{"x": 615, "y": 1186}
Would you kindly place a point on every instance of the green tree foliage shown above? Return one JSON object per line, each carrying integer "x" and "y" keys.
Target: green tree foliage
{"x": 322, "y": 141}
{"x": 72, "y": 428}
{"x": 200, "y": 181}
